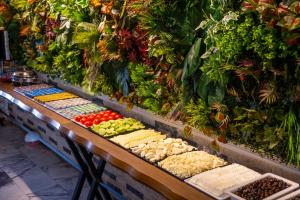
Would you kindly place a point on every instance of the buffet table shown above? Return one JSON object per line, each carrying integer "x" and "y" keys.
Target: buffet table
{"x": 162, "y": 182}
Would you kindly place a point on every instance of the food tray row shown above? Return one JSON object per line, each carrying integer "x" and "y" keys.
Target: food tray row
{"x": 232, "y": 192}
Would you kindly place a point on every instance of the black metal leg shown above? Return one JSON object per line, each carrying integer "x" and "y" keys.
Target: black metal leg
{"x": 85, "y": 171}
{"x": 97, "y": 173}
{"x": 79, "y": 186}
{"x": 92, "y": 191}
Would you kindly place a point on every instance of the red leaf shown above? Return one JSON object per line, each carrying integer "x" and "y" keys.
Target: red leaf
{"x": 222, "y": 138}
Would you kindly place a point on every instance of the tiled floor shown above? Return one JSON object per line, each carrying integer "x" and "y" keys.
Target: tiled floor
{"x": 32, "y": 172}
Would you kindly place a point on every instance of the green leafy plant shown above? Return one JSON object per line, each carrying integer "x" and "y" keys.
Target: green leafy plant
{"x": 198, "y": 113}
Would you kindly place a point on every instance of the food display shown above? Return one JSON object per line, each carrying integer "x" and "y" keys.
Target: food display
{"x": 116, "y": 127}
{"x": 261, "y": 189}
{"x": 217, "y": 181}
{"x": 59, "y": 104}
{"x": 157, "y": 150}
{"x": 97, "y": 118}
{"x": 54, "y": 97}
{"x": 197, "y": 168}
{"x": 29, "y": 88}
{"x": 191, "y": 163}
{"x": 138, "y": 137}
{"x": 43, "y": 91}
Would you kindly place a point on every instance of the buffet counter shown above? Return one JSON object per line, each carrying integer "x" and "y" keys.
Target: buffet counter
{"x": 142, "y": 171}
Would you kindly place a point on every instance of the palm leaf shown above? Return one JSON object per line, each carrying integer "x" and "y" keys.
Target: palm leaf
{"x": 268, "y": 94}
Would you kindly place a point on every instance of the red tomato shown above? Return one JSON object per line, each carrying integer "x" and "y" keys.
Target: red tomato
{"x": 113, "y": 114}
{"x": 104, "y": 119}
{"x": 110, "y": 118}
{"x": 83, "y": 120}
{"x": 88, "y": 123}
{"x": 118, "y": 116}
{"x": 96, "y": 121}
{"x": 108, "y": 111}
{"x": 78, "y": 118}
{"x": 91, "y": 117}
{"x": 106, "y": 115}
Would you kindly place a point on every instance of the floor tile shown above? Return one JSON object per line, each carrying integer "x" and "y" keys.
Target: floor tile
{"x": 4, "y": 179}
{"x": 12, "y": 192}
{"x": 51, "y": 193}
{"x": 36, "y": 173}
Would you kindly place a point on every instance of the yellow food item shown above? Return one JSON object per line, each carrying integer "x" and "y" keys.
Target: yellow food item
{"x": 158, "y": 150}
{"x": 54, "y": 97}
{"x": 191, "y": 163}
{"x": 138, "y": 137}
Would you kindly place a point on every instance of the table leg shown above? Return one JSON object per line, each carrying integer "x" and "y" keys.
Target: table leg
{"x": 97, "y": 173}
{"x": 85, "y": 172}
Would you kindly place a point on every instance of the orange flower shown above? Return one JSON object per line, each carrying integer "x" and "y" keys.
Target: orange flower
{"x": 96, "y": 3}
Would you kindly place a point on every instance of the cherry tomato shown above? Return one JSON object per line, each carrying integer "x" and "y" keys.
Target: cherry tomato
{"x": 99, "y": 115}
{"x": 108, "y": 111}
{"x": 106, "y": 115}
{"x": 96, "y": 121}
{"x": 91, "y": 117}
{"x": 110, "y": 118}
{"x": 113, "y": 114}
{"x": 78, "y": 118}
{"x": 118, "y": 116}
{"x": 88, "y": 123}
{"x": 104, "y": 119}
{"x": 83, "y": 120}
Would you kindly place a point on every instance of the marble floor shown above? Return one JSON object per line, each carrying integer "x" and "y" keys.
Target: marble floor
{"x": 32, "y": 172}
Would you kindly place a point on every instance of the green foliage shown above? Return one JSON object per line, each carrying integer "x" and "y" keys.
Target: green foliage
{"x": 68, "y": 63}
{"x": 291, "y": 126}
{"x": 190, "y": 69}
{"x": 145, "y": 88}
{"x": 118, "y": 75}
{"x": 198, "y": 113}
{"x": 101, "y": 84}
{"x": 64, "y": 61}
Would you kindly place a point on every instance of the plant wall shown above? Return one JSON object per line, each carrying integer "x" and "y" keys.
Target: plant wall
{"x": 232, "y": 66}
